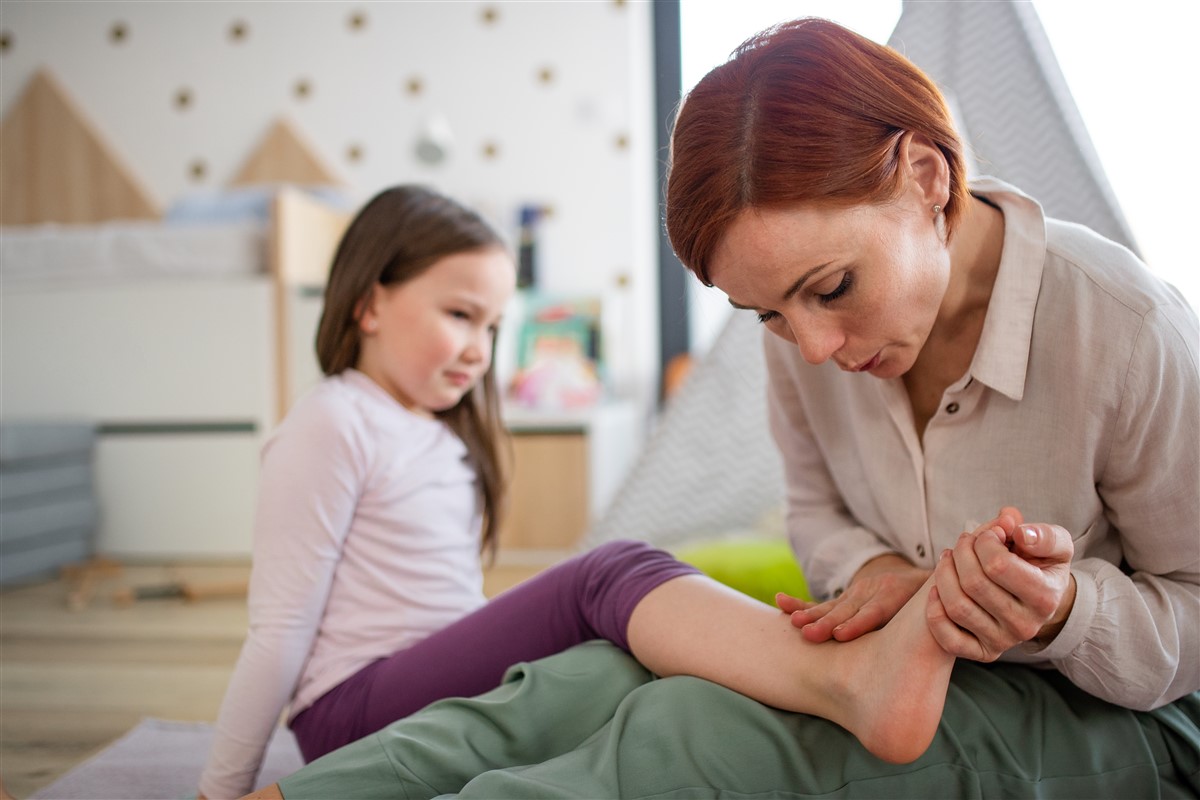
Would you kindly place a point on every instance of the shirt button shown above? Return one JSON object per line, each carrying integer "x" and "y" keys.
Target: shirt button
{"x": 921, "y": 550}
{"x": 952, "y": 408}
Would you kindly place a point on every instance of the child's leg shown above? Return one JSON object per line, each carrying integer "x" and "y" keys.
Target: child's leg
{"x": 887, "y": 687}
{"x": 587, "y": 597}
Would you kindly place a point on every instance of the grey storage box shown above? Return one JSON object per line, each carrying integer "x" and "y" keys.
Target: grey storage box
{"x": 48, "y": 510}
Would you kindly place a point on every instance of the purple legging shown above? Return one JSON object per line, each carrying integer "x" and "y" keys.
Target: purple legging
{"x": 590, "y": 596}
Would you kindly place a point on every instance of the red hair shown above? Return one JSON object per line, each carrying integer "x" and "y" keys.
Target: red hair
{"x": 806, "y": 111}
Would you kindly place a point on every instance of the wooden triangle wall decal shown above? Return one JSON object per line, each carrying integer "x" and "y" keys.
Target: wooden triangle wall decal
{"x": 56, "y": 167}
{"x": 283, "y": 156}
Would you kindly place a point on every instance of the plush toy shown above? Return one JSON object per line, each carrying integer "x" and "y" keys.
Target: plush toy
{"x": 757, "y": 567}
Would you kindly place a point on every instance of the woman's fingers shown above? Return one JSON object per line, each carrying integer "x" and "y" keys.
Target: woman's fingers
{"x": 789, "y": 604}
{"x": 998, "y": 586}
{"x": 953, "y": 639}
{"x": 821, "y": 629}
{"x": 1044, "y": 544}
{"x": 870, "y": 616}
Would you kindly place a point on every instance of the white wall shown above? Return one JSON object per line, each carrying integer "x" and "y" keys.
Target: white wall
{"x": 561, "y": 90}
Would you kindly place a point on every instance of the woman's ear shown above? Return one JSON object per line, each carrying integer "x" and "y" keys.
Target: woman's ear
{"x": 926, "y": 169}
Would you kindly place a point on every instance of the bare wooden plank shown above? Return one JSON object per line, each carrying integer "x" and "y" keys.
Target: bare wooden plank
{"x": 305, "y": 233}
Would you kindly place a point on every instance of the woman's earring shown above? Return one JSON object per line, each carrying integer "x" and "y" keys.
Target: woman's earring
{"x": 939, "y": 222}
{"x": 937, "y": 210}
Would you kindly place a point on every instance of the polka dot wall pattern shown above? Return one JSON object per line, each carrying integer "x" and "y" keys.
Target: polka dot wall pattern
{"x": 508, "y": 22}
{"x": 543, "y": 103}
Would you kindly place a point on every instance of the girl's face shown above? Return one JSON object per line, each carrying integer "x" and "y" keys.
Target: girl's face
{"x": 861, "y": 285}
{"x": 428, "y": 340}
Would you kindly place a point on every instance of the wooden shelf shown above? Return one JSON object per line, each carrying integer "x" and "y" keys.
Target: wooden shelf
{"x": 567, "y": 467}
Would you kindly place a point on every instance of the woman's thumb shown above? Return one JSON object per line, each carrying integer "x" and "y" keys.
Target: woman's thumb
{"x": 1044, "y": 541}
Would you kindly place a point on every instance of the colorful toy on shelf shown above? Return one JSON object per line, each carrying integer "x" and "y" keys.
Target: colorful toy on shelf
{"x": 559, "y": 355}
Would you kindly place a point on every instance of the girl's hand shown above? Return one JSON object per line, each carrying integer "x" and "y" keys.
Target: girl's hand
{"x": 999, "y": 588}
{"x": 878, "y": 591}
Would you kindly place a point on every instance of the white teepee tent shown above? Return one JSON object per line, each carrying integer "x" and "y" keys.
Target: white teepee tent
{"x": 995, "y": 64}
{"x": 710, "y": 468}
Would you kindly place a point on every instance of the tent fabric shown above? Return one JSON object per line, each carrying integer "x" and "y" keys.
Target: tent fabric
{"x": 711, "y": 469}
{"x": 1013, "y": 104}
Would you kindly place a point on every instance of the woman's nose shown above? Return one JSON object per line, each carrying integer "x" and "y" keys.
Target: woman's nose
{"x": 817, "y": 343}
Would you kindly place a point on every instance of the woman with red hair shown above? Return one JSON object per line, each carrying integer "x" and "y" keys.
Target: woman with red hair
{"x": 940, "y": 348}
{"x": 937, "y": 348}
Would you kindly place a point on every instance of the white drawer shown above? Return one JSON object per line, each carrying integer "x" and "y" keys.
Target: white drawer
{"x": 176, "y": 495}
{"x": 167, "y": 350}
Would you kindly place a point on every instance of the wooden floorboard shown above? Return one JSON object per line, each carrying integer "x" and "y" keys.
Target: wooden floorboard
{"x": 72, "y": 682}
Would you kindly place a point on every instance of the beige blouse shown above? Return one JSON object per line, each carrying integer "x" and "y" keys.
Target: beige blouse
{"x": 1081, "y": 408}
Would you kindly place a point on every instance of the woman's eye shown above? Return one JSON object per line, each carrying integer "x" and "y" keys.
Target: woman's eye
{"x": 841, "y": 289}
{"x": 766, "y": 316}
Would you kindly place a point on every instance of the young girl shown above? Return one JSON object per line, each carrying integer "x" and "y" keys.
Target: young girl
{"x": 377, "y": 494}
{"x": 380, "y": 490}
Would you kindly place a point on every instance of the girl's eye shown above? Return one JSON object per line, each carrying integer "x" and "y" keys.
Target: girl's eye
{"x": 460, "y": 315}
{"x": 841, "y": 289}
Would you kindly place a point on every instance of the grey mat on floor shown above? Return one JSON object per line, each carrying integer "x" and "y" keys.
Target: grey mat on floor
{"x": 159, "y": 760}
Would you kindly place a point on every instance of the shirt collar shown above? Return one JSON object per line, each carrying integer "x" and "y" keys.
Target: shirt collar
{"x": 1002, "y": 356}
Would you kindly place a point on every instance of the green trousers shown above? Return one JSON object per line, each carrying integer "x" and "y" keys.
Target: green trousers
{"x": 593, "y": 723}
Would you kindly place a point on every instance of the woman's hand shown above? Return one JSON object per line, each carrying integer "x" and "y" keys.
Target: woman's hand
{"x": 879, "y": 589}
{"x": 1002, "y": 587}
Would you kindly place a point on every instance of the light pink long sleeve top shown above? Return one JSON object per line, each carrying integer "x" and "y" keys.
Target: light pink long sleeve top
{"x": 366, "y": 540}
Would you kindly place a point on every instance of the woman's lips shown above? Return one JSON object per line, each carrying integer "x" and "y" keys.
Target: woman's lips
{"x": 867, "y": 366}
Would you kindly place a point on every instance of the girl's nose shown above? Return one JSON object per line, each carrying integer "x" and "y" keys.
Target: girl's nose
{"x": 479, "y": 349}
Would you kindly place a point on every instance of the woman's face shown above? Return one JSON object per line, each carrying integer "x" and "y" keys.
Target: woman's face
{"x": 860, "y": 285}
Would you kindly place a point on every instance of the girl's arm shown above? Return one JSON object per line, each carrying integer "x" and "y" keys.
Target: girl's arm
{"x": 309, "y": 484}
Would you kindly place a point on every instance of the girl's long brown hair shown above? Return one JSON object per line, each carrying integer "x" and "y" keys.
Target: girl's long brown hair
{"x": 396, "y": 236}
{"x": 806, "y": 111}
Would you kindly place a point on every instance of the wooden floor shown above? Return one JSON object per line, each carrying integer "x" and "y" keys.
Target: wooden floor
{"x": 73, "y": 681}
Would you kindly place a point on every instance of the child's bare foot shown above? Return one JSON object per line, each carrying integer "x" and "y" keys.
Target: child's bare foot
{"x": 896, "y": 680}
{"x": 897, "y": 677}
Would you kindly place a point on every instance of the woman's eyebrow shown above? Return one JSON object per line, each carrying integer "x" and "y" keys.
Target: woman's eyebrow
{"x": 795, "y": 287}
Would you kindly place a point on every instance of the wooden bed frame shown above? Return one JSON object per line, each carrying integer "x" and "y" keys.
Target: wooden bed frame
{"x": 184, "y": 377}
{"x": 46, "y": 129}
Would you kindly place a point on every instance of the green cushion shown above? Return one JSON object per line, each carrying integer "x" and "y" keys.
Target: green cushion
{"x": 757, "y": 567}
